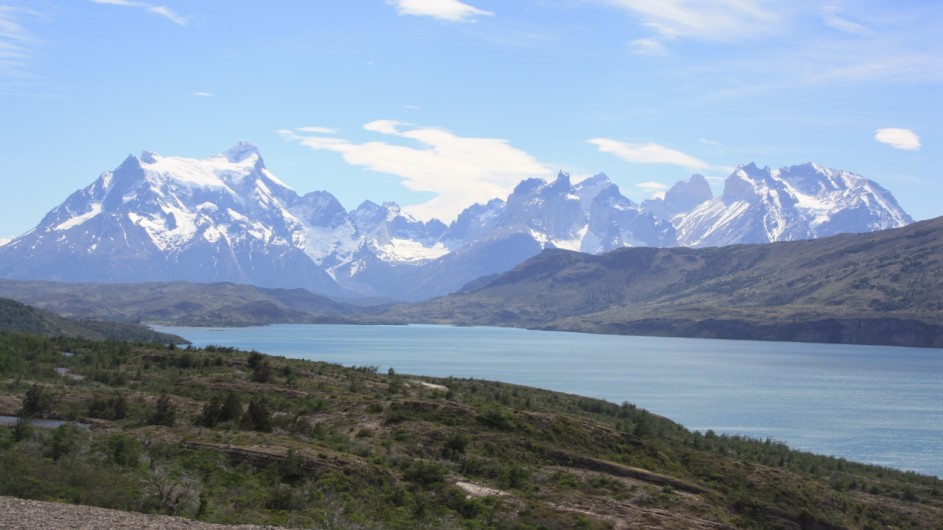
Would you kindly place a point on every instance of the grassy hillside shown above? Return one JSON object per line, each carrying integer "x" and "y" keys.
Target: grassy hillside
{"x": 16, "y": 317}
{"x": 236, "y": 437}
{"x": 878, "y": 288}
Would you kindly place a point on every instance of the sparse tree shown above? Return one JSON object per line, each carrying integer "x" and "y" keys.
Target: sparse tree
{"x": 172, "y": 492}
{"x": 36, "y": 401}
{"x": 165, "y": 413}
{"x": 257, "y": 417}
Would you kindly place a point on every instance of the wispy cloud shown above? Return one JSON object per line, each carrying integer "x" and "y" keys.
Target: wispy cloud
{"x": 834, "y": 20}
{"x": 647, "y": 47}
{"x": 898, "y": 138}
{"x": 457, "y": 169}
{"x": 877, "y": 44}
{"x": 202, "y": 94}
{"x": 17, "y": 43}
{"x": 717, "y": 20}
{"x": 163, "y": 11}
{"x": 650, "y": 153}
{"x": 651, "y": 187}
{"x": 450, "y": 10}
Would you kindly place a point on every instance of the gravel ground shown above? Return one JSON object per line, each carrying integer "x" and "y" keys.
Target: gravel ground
{"x": 38, "y": 515}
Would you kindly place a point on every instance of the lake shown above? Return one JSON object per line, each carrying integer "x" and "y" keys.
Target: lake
{"x": 874, "y": 404}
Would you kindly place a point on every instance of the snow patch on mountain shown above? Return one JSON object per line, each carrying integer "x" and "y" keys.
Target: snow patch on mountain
{"x": 408, "y": 251}
{"x": 79, "y": 219}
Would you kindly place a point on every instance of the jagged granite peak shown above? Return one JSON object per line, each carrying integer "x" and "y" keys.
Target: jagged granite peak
{"x": 588, "y": 189}
{"x": 683, "y": 197}
{"x": 561, "y": 184}
{"x": 228, "y": 218}
{"x": 320, "y": 208}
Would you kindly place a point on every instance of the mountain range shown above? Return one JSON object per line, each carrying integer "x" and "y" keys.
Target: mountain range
{"x": 229, "y": 219}
{"x": 882, "y": 287}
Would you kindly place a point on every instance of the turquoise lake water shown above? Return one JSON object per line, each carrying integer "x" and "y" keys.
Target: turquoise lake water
{"x": 874, "y": 404}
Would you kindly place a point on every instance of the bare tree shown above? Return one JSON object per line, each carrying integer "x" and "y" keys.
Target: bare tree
{"x": 174, "y": 492}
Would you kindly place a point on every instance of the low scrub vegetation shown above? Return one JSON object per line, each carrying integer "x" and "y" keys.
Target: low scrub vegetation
{"x": 238, "y": 437}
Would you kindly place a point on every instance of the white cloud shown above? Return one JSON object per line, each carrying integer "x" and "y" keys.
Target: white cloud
{"x": 203, "y": 94}
{"x": 650, "y": 153}
{"x": 316, "y": 130}
{"x": 383, "y": 126}
{"x": 898, "y": 138}
{"x": 720, "y": 20}
{"x": 708, "y": 141}
{"x": 450, "y": 10}
{"x": 458, "y": 170}
{"x": 163, "y": 11}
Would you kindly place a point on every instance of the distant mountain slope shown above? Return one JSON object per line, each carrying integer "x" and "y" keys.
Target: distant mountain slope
{"x": 178, "y": 303}
{"x": 227, "y": 218}
{"x": 881, "y": 288}
{"x": 16, "y": 317}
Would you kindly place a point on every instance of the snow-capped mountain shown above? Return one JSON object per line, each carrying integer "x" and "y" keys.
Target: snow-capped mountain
{"x": 797, "y": 202}
{"x": 227, "y": 218}
{"x": 591, "y": 216}
{"x": 167, "y": 218}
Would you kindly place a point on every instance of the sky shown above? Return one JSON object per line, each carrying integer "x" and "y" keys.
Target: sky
{"x": 438, "y": 104}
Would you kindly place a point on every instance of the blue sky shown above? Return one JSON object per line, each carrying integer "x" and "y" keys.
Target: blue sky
{"x": 436, "y": 104}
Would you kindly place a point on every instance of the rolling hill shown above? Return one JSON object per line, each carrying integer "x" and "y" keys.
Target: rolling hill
{"x": 179, "y": 303}
{"x": 16, "y": 317}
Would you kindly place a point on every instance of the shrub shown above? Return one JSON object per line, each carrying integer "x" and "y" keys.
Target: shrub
{"x": 123, "y": 450}
{"x": 425, "y": 473}
{"x": 108, "y": 408}
{"x": 64, "y": 440}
